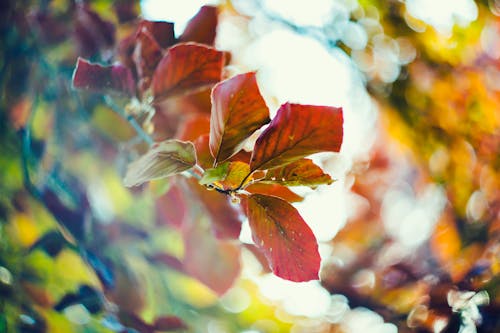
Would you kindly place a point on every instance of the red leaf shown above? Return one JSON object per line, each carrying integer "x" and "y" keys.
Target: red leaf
{"x": 202, "y": 27}
{"x": 224, "y": 216}
{"x": 300, "y": 173}
{"x": 203, "y": 156}
{"x": 297, "y": 131}
{"x": 276, "y": 190}
{"x": 163, "y": 32}
{"x": 238, "y": 109}
{"x": 283, "y": 236}
{"x": 213, "y": 262}
{"x": 147, "y": 53}
{"x": 169, "y": 323}
{"x": 187, "y": 68}
{"x": 194, "y": 127}
{"x": 99, "y": 78}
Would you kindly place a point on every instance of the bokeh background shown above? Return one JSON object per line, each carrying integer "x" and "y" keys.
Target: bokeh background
{"x": 409, "y": 231}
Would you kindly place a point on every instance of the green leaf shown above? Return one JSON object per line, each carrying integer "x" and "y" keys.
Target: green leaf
{"x": 164, "y": 159}
{"x": 216, "y": 174}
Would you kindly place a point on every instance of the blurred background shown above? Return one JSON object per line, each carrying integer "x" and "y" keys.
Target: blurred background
{"x": 409, "y": 231}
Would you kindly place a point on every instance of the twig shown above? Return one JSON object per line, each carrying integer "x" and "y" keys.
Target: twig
{"x": 130, "y": 119}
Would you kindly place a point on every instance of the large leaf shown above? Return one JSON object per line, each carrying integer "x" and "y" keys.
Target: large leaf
{"x": 238, "y": 109}
{"x": 202, "y": 28}
{"x": 187, "y": 68}
{"x": 283, "y": 236}
{"x": 164, "y": 159}
{"x": 295, "y": 132}
{"x": 95, "y": 77}
{"x": 300, "y": 173}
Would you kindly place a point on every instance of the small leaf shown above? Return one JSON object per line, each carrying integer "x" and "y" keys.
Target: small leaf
{"x": 295, "y": 132}
{"x": 275, "y": 190}
{"x": 147, "y": 53}
{"x": 187, "y": 68}
{"x": 228, "y": 175}
{"x": 164, "y": 159}
{"x": 300, "y": 173}
{"x": 95, "y": 77}
{"x": 283, "y": 236}
{"x": 202, "y": 28}
{"x": 238, "y": 109}
{"x": 91, "y": 32}
{"x": 213, "y": 175}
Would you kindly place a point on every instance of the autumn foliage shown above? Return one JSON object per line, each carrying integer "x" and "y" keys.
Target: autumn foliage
{"x": 135, "y": 158}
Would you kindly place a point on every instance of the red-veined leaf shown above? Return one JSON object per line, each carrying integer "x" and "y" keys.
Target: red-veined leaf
{"x": 276, "y": 190}
{"x": 238, "y": 109}
{"x": 297, "y": 131}
{"x": 216, "y": 263}
{"x": 202, "y": 28}
{"x": 283, "y": 236}
{"x": 187, "y": 68}
{"x": 299, "y": 173}
{"x": 99, "y": 78}
{"x": 164, "y": 159}
{"x": 163, "y": 32}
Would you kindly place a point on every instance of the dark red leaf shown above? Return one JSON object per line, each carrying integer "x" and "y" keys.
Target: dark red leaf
{"x": 163, "y": 32}
{"x": 169, "y": 323}
{"x": 202, "y": 28}
{"x": 147, "y": 54}
{"x": 213, "y": 262}
{"x": 238, "y": 110}
{"x": 295, "y": 132}
{"x": 283, "y": 236}
{"x": 187, "y": 68}
{"x": 276, "y": 190}
{"x": 99, "y": 78}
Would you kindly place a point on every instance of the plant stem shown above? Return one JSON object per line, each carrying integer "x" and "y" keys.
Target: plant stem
{"x": 130, "y": 119}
